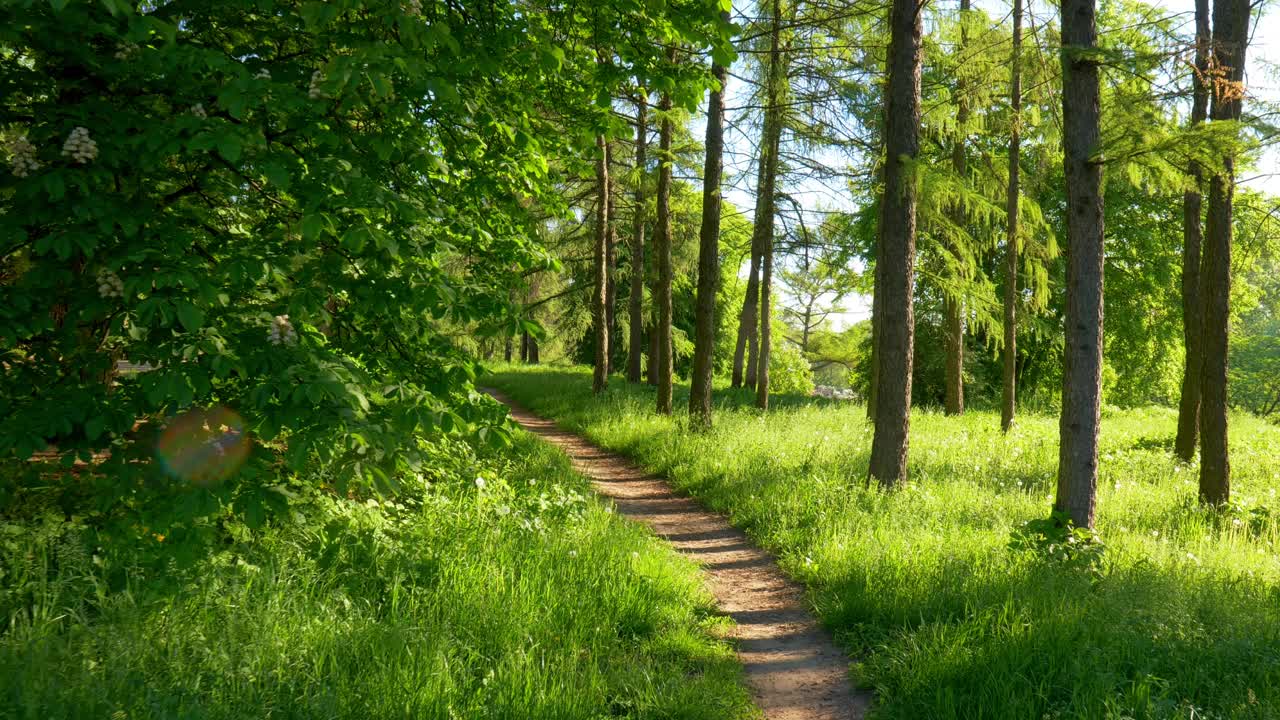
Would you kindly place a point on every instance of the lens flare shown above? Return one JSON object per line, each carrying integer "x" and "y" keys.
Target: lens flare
{"x": 204, "y": 446}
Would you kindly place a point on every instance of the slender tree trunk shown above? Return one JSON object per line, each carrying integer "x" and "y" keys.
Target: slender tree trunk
{"x": 1082, "y": 365}
{"x": 662, "y": 246}
{"x": 1192, "y": 238}
{"x": 704, "y": 340}
{"x": 897, "y": 252}
{"x": 635, "y": 304}
{"x": 524, "y": 347}
{"x": 1008, "y": 400}
{"x": 1230, "y": 36}
{"x": 611, "y": 264}
{"x": 533, "y": 350}
{"x": 873, "y": 388}
{"x": 600, "y": 378}
{"x": 766, "y": 197}
{"x": 953, "y": 306}
{"x": 747, "y": 317}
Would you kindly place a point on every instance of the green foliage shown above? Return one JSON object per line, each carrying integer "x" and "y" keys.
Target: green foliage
{"x": 496, "y": 586}
{"x": 1176, "y": 617}
{"x": 789, "y": 370}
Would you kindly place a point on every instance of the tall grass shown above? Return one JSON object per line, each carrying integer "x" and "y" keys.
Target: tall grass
{"x": 524, "y": 598}
{"x": 1179, "y": 616}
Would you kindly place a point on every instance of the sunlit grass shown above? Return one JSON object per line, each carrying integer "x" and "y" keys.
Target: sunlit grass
{"x": 1180, "y": 618}
{"x": 524, "y": 598}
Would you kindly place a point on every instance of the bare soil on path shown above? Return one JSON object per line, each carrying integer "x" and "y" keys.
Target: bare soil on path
{"x": 794, "y": 669}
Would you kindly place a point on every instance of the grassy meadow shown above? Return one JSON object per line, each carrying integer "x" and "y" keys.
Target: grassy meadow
{"x": 951, "y": 612}
{"x": 497, "y": 588}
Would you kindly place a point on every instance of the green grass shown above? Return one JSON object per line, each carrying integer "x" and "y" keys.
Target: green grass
{"x": 526, "y": 598}
{"x": 1179, "y": 618}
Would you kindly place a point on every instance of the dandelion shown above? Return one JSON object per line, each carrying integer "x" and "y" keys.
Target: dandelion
{"x": 573, "y": 553}
{"x": 314, "y": 92}
{"x": 198, "y": 111}
{"x": 480, "y": 482}
{"x": 503, "y": 510}
{"x": 79, "y": 146}
{"x": 282, "y": 332}
{"x": 22, "y": 156}
{"x": 532, "y": 482}
{"x": 110, "y": 285}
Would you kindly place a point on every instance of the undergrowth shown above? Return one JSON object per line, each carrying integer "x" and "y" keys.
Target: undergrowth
{"x": 495, "y": 587}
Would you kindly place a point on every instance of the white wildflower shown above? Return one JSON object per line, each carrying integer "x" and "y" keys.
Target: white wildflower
{"x": 503, "y": 510}
{"x": 198, "y": 111}
{"x": 314, "y": 91}
{"x": 282, "y": 331}
{"x": 480, "y": 482}
{"x": 635, "y": 555}
{"x": 573, "y": 553}
{"x": 22, "y": 156}
{"x": 1193, "y": 558}
{"x": 532, "y": 482}
{"x": 110, "y": 285}
{"x": 79, "y": 146}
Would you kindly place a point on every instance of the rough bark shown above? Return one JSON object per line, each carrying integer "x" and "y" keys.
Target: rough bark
{"x": 704, "y": 339}
{"x": 662, "y": 246}
{"x": 1230, "y": 35}
{"x": 766, "y": 202}
{"x": 524, "y": 347}
{"x": 611, "y": 265}
{"x": 747, "y": 317}
{"x": 1184, "y": 445}
{"x": 635, "y": 303}
{"x": 953, "y": 306}
{"x": 896, "y": 262}
{"x": 1082, "y": 362}
{"x": 600, "y": 377}
{"x": 1008, "y": 398}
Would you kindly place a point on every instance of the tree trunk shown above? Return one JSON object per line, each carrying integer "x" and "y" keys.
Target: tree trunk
{"x": 506, "y": 355}
{"x": 747, "y": 318}
{"x": 1184, "y": 445}
{"x": 897, "y": 252}
{"x": 953, "y": 306}
{"x": 771, "y": 138}
{"x": 600, "y": 378}
{"x": 873, "y": 388}
{"x": 1008, "y": 399}
{"x": 524, "y": 347}
{"x": 708, "y": 254}
{"x": 533, "y": 350}
{"x": 1082, "y": 362}
{"x": 611, "y": 264}
{"x": 635, "y": 304}
{"x": 662, "y": 246}
{"x": 1230, "y": 35}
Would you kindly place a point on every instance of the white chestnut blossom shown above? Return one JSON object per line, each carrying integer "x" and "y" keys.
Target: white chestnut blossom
{"x": 110, "y": 285}
{"x": 79, "y": 146}
{"x": 22, "y": 156}
{"x": 314, "y": 91}
{"x": 263, "y": 74}
{"x": 413, "y": 7}
{"x": 282, "y": 332}
{"x": 198, "y": 111}
{"x": 127, "y": 51}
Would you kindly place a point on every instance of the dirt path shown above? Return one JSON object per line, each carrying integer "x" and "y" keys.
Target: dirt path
{"x": 795, "y": 671}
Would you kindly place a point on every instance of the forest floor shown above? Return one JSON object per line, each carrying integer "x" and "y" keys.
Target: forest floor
{"x": 795, "y": 670}
{"x": 952, "y": 594}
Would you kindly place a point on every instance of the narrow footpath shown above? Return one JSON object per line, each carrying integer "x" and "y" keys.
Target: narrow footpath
{"x": 794, "y": 669}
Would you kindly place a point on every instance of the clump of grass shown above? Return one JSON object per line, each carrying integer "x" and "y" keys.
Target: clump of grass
{"x": 1174, "y": 612}
{"x": 501, "y": 589}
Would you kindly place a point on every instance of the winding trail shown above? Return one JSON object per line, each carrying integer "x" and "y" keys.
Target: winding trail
{"x": 794, "y": 669}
